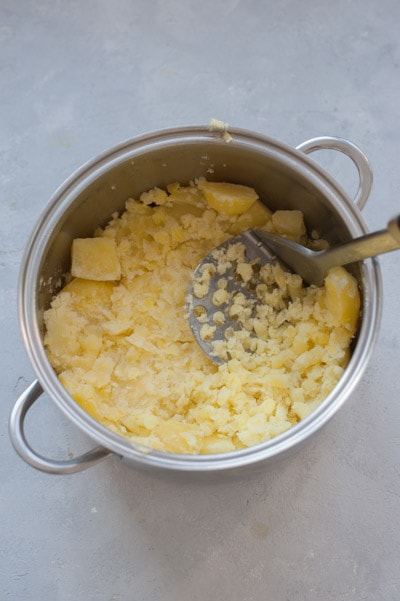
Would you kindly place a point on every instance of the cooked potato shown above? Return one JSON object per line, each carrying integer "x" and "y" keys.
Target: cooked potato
{"x": 95, "y": 259}
{"x": 118, "y": 337}
{"x": 231, "y": 199}
{"x": 342, "y": 297}
{"x": 289, "y": 223}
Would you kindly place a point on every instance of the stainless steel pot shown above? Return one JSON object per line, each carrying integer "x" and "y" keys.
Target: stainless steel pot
{"x": 283, "y": 176}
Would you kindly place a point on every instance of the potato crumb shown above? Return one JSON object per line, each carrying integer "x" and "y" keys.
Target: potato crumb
{"x": 123, "y": 348}
{"x": 220, "y": 126}
{"x": 207, "y": 331}
{"x": 219, "y": 318}
{"x": 217, "y": 125}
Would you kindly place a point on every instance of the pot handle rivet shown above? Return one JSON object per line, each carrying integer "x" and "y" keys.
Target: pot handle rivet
{"x": 354, "y": 153}
{"x": 25, "y": 451}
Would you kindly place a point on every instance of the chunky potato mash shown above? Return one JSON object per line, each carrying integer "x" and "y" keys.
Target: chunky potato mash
{"x": 118, "y": 336}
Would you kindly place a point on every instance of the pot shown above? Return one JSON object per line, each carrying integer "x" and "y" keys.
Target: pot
{"x": 286, "y": 176}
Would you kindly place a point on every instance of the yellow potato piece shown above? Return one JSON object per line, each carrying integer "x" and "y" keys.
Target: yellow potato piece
{"x": 256, "y": 216}
{"x": 84, "y": 394}
{"x": 89, "y": 291}
{"x": 342, "y": 297}
{"x": 231, "y": 199}
{"x": 177, "y": 437}
{"x": 95, "y": 259}
{"x": 289, "y": 223}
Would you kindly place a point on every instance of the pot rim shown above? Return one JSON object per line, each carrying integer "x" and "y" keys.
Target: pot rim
{"x": 29, "y": 277}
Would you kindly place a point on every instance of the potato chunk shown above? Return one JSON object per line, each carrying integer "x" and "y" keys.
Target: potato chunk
{"x": 231, "y": 199}
{"x": 289, "y": 223}
{"x": 342, "y": 297}
{"x": 257, "y": 216}
{"x": 95, "y": 259}
{"x": 177, "y": 437}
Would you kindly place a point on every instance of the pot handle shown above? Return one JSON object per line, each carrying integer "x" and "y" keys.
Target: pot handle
{"x": 354, "y": 153}
{"x": 25, "y": 451}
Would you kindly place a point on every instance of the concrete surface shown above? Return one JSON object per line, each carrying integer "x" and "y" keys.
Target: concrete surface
{"x": 79, "y": 77}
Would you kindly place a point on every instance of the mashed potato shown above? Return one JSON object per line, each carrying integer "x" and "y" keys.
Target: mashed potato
{"x": 123, "y": 348}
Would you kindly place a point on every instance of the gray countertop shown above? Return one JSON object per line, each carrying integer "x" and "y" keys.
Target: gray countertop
{"x": 79, "y": 77}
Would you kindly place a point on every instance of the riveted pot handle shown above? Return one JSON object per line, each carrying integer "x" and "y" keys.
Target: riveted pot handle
{"x": 25, "y": 451}
{"x": 354, "y": 153}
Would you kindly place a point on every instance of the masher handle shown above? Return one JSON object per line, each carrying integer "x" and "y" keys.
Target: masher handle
{"x": 370, "y": 245}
